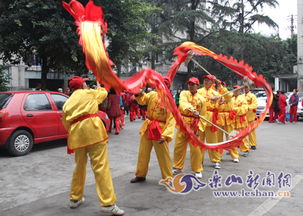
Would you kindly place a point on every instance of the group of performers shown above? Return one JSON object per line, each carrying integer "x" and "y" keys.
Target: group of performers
{"x": 233, "y": 111}
{"x": 212, "y": 113}
{"x": 224, "y": 112}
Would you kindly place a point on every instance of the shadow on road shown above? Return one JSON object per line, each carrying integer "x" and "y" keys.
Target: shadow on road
{"x": 38, "y": 147}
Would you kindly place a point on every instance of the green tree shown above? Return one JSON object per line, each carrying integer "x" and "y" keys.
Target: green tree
{"x": 269, "y": 56}
{"x": 46, "y": 30}
{"x": 241, "y": 15}
{"x": 128, "y": 30}
{"x": 41, "y": 29}
{"x": 182, "y": 20}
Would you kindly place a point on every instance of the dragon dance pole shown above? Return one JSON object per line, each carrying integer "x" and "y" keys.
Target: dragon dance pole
{"x": 203, "y": 118}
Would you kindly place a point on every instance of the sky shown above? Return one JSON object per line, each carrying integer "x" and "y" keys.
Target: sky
{"x": 282, "y": 16}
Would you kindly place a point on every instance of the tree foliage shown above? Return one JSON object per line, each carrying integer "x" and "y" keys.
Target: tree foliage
{"x": 268, "y": 56}
{"x": 46, "y": 30}
{"x": 241, "y": 15}
{"x": 40, "y": 29}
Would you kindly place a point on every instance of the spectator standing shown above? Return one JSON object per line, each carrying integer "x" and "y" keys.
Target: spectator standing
{"x": 293, "y": 103}
{"x": 113, "y": 110}
{"x": 282, "y": 105}
{"x": 177, "y": 97}
{"x": 274, "y": 108}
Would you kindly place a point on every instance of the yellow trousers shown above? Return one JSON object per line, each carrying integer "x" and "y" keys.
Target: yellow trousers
{"x": 211, "y": 137}
{"x": 100, "y": 166}
{"x": 229, "y": 128}
{"x": 180, "y": 154}
{"x": 252, "y": 137}
{"x": 163, "y": 156}
{"x": 245, "y": 146}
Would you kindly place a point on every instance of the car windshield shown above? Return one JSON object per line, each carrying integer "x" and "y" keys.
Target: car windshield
{"x": 3, "y": 99}
{"x": 261, "y": 94}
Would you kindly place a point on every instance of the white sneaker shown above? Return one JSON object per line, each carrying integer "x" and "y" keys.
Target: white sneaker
{"x": 176, "y": 171}
{"x": 217, "y": 166}
{"x": 236, "y": 160}
{"x": 76, "y": 203}
{"x": 114, "y": 209}
{"x": 198, "y": 175}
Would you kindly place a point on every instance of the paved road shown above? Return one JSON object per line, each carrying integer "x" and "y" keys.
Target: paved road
{"x": 38, "y": 184}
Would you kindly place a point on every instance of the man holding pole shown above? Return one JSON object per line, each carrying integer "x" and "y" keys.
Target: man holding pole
{"x": 191, "y": 105}
{"x": 212, "y": 114}
{"x": 87, "y": 136}
{"x": 251, "y": 115}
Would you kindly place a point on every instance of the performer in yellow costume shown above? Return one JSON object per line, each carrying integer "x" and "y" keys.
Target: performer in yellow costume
{"x": 240, "y": 106}
{"x": 157, "y": 131}
{"x": 212, "y": 114}
{"x": 227, "y": 119}
{"x": 87, "y": 136}
{"x": 251, "y": 115}
{"x": 190, "y": 100}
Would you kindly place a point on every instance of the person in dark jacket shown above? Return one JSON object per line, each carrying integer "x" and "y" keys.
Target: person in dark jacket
{"x": 177, "y": 97}
{"x": 274, "y": 108}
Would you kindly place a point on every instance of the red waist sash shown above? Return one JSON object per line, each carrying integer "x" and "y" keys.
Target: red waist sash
{"x": 81, "y": 118}
{"x": 194, "y": 123}
{"x": 154, "y": 131}
{"x": 214, "y": 119}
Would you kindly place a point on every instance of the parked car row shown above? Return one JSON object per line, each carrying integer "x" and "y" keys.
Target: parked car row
{"x": 30, "y": 117}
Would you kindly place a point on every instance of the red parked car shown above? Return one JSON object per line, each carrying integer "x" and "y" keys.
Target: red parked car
{"x": 30, "y": 117}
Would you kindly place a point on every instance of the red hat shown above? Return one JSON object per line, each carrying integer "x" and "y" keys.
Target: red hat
{"x": 76, "y": 82}
{"x": 211, "y": 77}
{"x": 193, "y": 80}
{"x": 236, "y": 86}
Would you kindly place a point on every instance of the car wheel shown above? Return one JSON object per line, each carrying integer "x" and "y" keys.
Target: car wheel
{"x": 20, "y": 143}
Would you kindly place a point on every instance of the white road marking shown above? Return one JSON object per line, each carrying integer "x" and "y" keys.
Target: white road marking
{"x": 268, "y": 204}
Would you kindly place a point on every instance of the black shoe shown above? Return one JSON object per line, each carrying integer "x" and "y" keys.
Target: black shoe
{"x": 253, "y": 147}
{"x": 137, "y": 179}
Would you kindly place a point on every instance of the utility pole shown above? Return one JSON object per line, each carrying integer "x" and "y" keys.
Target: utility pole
{"x": 292, "y": 27}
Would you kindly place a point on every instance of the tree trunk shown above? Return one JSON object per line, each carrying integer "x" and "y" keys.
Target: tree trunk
{"x": 44, "y": 72}
{"x": 191, "y": 33}
{"x": 119, "y": 70}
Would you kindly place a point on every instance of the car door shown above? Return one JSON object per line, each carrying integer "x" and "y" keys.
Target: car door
{"x": 59, "y": 100}
{"x": 40, "y": 116}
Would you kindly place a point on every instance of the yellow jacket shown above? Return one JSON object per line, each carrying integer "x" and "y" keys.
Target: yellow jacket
{"x": 226, "y": 113}
{"x": 194, "y": 102}
{"x": 252, "y": 106}
{"x": 156, "y": 111}
{"x": 225, "y": 108}
{"x": 240, "y": 106}
{"x": 90, "y": 130}
{"x": 210, "y": 104}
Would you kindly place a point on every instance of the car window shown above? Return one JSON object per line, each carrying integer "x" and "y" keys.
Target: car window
{"x": 35, "y": 102}
{"x": 4, "y": 98}
{"x": 59, "y": 100}
{"x": 260, "y": 94}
